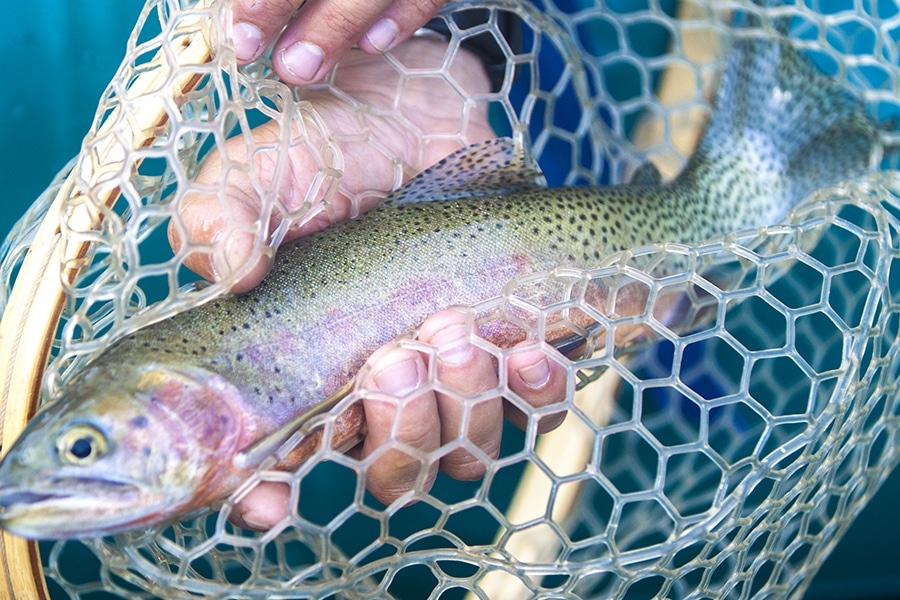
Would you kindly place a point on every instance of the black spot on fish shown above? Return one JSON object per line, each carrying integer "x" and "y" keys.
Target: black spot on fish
{"x": 138, "y": 422}
{"x": 239, "y": 357}
{"x": 246, "y": 325}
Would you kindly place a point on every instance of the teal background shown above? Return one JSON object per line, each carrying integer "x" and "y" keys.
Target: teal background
{"x": 59, "y": 55}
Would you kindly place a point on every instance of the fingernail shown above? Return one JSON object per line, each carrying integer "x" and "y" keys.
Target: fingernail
{"x": 382, "y": 34}
{"x": 247, "y": 40}
{"x": 254, "y": 524}
{"x": 536, "y": 375}
{"x": 400, "y": 378}
{"x": 454, "y": 354}
{"x": 303, "y": 60}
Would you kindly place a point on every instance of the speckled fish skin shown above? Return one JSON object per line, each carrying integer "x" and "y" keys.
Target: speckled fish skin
{"x": 169, "y": 408}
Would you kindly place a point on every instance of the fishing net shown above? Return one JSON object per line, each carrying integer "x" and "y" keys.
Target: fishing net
{"x": 721, "y": 460}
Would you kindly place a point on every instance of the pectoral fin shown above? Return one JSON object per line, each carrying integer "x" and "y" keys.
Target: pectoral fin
{"x": 252, "y": 456}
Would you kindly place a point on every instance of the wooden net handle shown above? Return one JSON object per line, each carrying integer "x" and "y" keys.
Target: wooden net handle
{"x": 28, "y": 325}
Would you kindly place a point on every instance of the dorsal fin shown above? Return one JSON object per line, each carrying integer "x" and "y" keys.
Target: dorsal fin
{"x": 646, "y": 174}
{"x": 483, "y": 169}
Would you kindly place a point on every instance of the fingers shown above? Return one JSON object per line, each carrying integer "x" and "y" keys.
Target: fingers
{"x": 255, "y": 24}
{"x": 462, "y": 417}
{"x": 319, "y": 32}
{"x": 399, "y": 21}
{"x": 540, "y": 382}
{"x": 263, "y": 506}
{"x": 408, "y": 418}
{"x": 319, "y": 35}
{"x": 227, "y": 218}
{"x": 471, "y": 410}
{"x": 413, "y": 430}
{"x": 230, "y": 210}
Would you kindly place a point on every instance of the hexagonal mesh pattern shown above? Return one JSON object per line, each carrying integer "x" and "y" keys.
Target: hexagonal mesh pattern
{"x": 733, "y": 453}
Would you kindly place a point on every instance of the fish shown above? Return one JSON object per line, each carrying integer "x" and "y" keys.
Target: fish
{"x": 174, "y": 417}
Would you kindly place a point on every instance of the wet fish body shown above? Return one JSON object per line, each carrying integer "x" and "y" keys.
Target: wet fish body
{"x": 160, "y": 424}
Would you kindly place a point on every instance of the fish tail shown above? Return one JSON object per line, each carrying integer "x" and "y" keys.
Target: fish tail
{"x": 781, "y": 129}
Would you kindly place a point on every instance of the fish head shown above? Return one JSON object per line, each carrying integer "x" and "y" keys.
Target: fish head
{"x": 124, "y": 447}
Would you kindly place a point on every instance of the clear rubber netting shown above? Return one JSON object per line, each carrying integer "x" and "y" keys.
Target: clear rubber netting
{"x": 733, "y": 454}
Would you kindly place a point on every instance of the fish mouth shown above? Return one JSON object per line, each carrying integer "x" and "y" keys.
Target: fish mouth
{"x": 11, "y": 498}
{"x": 61, "y": 509}
{"x": 62, "y": 489}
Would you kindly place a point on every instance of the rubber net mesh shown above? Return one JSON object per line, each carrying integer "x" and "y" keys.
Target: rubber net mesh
{"x": 730, "y": 457}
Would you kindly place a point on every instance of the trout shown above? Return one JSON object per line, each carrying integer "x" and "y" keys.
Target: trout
{"x": 174, "y": 417}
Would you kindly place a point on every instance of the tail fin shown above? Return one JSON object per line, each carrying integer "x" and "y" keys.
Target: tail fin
{"x": 784, "y": 125}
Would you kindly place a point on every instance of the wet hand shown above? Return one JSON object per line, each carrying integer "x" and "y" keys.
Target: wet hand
{"x": 373, "y": 144}
{"x": 414, "y": 431}
{"x": 422, "y": 422}
{"x": 317, "y": 33}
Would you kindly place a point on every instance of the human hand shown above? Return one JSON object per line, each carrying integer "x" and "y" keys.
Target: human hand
{"x": 421, "y": 420}
{"x": 371, "y": 144}
{"x": 319, "y": 32}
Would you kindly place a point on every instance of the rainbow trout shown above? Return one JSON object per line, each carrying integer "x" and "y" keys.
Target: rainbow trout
{"x": 174, "y": 417}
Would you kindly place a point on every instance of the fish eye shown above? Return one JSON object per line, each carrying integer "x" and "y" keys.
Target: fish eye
{"x": 81, "y": 445}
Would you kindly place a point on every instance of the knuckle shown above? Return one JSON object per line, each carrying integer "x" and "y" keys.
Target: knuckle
{"x": 415, "y": 12}
{"x": 463, "y": 465}
{"x": 269, "y": 15}
{"x": 345, "y": 25}
{"x": 419, "y": 435}
{"x": 396, "y": 473}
